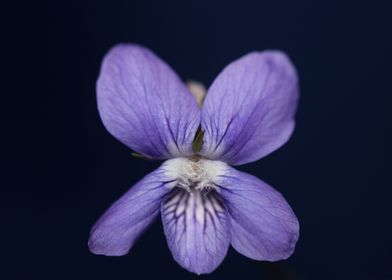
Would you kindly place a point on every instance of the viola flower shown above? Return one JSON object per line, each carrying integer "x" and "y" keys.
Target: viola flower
{"x": 205, "y": 204}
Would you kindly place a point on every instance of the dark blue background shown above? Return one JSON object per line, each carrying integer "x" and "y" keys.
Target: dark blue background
{"x": 61, "y": 169}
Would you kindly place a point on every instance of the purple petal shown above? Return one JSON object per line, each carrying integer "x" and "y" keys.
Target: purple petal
{"x": 263, "y": 226}
{"x": 121, "y": 225}
{"x": 249, "y": 109}
{"x": 144, "y": 104}
{"x": 196, "y": 229}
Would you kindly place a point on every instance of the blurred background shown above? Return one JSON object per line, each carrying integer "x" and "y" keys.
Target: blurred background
{"x": 61, "y": 169}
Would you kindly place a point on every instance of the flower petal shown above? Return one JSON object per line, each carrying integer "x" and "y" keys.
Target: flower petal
{"x": 263, "y": 226}
{"x": 249, "y": 109}
{"x": 196, "y": 229}
{"x": 121, "y": 225}
{"x": 144, "y": 104}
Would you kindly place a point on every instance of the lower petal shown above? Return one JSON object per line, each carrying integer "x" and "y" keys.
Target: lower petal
{"x": 263, "y": 226}
{"x": 122, "y": 224}
{"x": 196, "y": 228}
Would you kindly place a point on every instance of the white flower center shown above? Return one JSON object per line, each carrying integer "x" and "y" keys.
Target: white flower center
{"x": 195, "y": 173}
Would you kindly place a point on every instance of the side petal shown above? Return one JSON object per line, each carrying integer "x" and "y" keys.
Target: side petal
{"x": 249, "y": 109}
{"x": 144, "y": 104}
{"x": 263, "y": 226}
{"x": 122, "y": 224}
{"x": 196, "y": 229}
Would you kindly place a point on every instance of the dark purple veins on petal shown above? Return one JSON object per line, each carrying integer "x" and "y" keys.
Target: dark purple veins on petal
{"x": 249, "y": 109}
{"x": 196, "y": 228}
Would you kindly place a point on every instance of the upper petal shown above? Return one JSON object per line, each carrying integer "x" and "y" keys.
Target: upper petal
{"x": 249, "y": 109}
{"x": 144, "y": 104}
{"x": 121, "y": 225}
{"x": 263, "y": 226}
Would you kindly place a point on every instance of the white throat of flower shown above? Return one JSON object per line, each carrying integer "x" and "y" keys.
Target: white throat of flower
{"x": 195, "y": 173}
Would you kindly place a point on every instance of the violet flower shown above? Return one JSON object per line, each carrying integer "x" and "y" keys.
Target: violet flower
{"x": 205, "y": 204}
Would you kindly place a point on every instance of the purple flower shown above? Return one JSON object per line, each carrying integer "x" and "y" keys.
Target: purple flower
{"x": 205, "y": 204}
